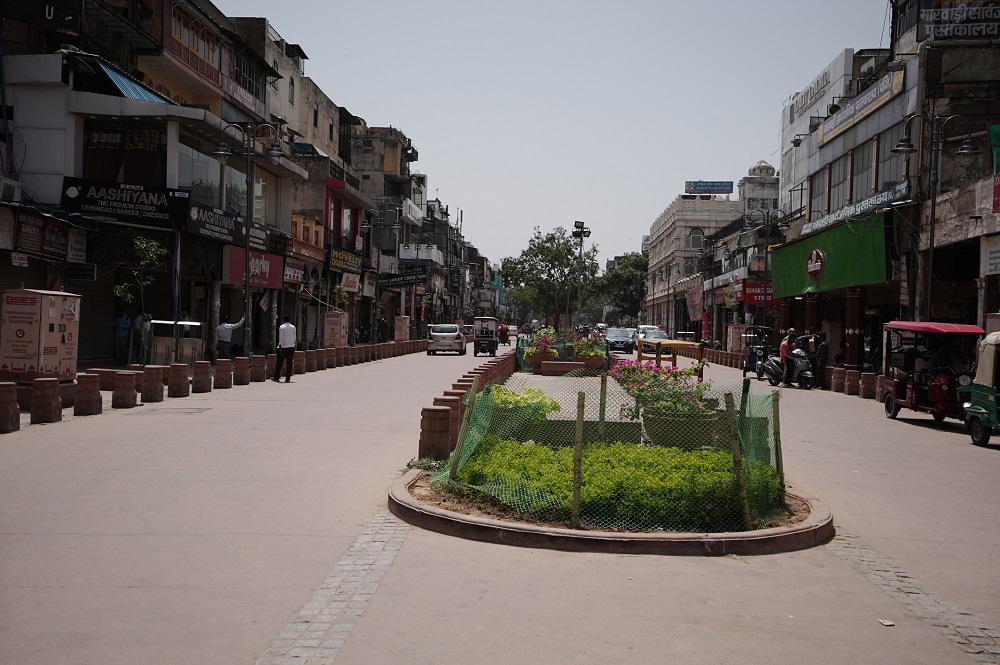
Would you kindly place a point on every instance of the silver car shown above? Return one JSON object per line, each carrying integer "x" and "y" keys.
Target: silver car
{"x": 445, "y": 337}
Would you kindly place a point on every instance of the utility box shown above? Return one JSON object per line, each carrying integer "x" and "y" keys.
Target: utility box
{"x": 402, "y": 328}
{"x": 39, "y": 335}
{"x": 335, "y": 329}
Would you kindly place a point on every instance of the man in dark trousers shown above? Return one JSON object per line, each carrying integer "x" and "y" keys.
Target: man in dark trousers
{"x": 286, "y": 349}
{"x": 822, "y": 358}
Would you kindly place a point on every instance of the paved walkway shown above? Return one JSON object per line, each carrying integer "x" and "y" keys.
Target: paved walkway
{"x": 248, "y": 526}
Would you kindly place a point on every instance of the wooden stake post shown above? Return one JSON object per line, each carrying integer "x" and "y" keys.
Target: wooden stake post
{"x": 604, "y": 406}
{"x": 577, "y": 461}
{"x": 734, "y": 442}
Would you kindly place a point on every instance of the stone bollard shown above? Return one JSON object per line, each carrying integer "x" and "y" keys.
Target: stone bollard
{"x": 10, "y": 411}
{"x": 338, "y": 356}
{"x": 299, "y": 362}
{"x": 223, "y": 373}
{"x": 837, "y": 382}
{"x": 123, "y": 396}
{"x": 46, "y": 404}
{"x": 867, "y": 386}
{"x": 272, "y": 362}
{"x": 331, "y": 357}
{"x": 852, "y": 382}
{"x": 202, "y": 381}
{"x": 320, "y": 360}
{"x": 880, "y": 387}
{"x": 152, "y": 384}
{"x": 241, "y": 371}
{"x": 177, "y": 383}
{"x": 435, "y": 423}
{"x": 87, "y": 401}
{"x": 258, "y": 369}
{"x": 828, "y": 378}
{"x": 310, "y": 360}
{"x": 454, "y": 405}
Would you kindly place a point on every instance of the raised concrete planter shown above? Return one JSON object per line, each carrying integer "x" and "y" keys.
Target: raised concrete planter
{"x": 557, "y": 368}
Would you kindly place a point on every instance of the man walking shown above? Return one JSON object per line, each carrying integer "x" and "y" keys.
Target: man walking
{"x": 785, "y": 351}
{"x": 822, "y": 358}
{"x": 286, "y": 349}
{"x": 224, "y": 337}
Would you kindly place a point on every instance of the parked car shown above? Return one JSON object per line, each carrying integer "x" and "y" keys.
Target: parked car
{"x": 619, "y": 339}
{"x": 642, "y": 330}
{"x": 445, "y": 337}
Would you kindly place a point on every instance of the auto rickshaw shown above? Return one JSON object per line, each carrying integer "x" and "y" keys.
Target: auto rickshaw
{"x": 755, "y": 349}
{"x": 981, "y": 409}
{"x": 928, "y": 367}
{"x": 485, "y": 340}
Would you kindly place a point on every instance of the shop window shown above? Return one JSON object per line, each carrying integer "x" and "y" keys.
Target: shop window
{"x": 198, "y": 171}
{"x": 330, "y": 135}
{"x": 890, "y": 165}
{"x": 863, "y": 160}
{"x": 122, "y": 152}
{"x": 291, "y": 91}
{"x": 838, "y": 184}
{"x": 817, "y": 194}
{"x": 694, "y": 239}
{"x": 315, "y": 114}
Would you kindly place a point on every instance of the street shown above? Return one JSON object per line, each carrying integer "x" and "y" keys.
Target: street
{"x": 204, "y": 529}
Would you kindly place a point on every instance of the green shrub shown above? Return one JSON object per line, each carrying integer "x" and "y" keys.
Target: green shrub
{"x": 624, "y": 486}
{"x": 533, "y": 402}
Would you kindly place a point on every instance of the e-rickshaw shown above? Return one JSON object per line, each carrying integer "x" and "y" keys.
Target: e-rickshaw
{"x": 755, "y": 348}
{"x": 485, "y": 338}
{"x": 928, "y": 367}
{"x": 981, "y": 410}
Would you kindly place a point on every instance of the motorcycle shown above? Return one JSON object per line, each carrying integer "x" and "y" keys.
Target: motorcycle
{"x": 802, "y": 373}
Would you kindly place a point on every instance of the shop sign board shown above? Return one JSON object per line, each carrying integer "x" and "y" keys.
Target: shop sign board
{"x": 708, "y": 187}
{"x": 973, "y": 19}
{"x": 76, "y": 248}
{"x": 41, "y": 235}
{"x": 416, "y": 275}
{"x": 61, "y": 15}
{"x": 815, "y": 264}
{"x": 350, "y": 281}
{"x": 368, "y": 288}
{"x": 886, "y": 196}
{"x": 990, "y": 258}
{"x": 996, "y": 192}
{"x": 402, "y": 328}
{"x": 222, "y": 225}
{"x": 268, "y": 268}
{"x": 152, "y": 205}
{"x": 86, "y": 272}
{"x": 754, "y": 293}
{"x": 345, "y": 261}
{"x": 859, "y": 108}
{"x": 294, "y": 271}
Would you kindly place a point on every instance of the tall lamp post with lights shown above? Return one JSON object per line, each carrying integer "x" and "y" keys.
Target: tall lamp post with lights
{"x": 249, "y": 132}
{"x": 767, "y": 222}
{"x": 580, "y": 231}
{"x": 385, "y": 217}
{"x": 937, "y": 140}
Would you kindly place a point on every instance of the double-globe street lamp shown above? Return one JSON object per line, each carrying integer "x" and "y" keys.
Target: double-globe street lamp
{"x": 274, "y": 153}
{"x": 937, "y": 140}
{"x": 768, "y": 220}
{"x": 384, "y": 217}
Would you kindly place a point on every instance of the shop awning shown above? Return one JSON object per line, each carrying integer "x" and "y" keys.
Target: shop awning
{"x": 935, "y": 327}
{"x": 131, "y": 88}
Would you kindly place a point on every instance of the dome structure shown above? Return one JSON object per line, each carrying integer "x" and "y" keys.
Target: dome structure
{"x": 761, "y": 168}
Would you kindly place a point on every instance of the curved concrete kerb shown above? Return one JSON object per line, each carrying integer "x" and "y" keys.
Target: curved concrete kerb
{"x": 814, "y": 530}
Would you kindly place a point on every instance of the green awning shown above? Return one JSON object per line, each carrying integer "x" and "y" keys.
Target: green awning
{"x": 850, "y": 254}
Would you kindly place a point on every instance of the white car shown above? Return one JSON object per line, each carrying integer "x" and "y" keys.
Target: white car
{"x": 445, "y": 337}
{"x": 642, "y": 330}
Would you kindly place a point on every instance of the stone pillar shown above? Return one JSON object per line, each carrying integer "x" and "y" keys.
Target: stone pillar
{"x": 178, "y": 384}
{"x": 123, "y": 396}
{"x": 152, "y": 384}
{"x": 854, "y": 342}
{"x": 867, "y": 386}
{"x": 837, "y": 382}
{"x": 435, "y": 423}
{"x": 320, "y": 360}
{"x": 785, "y": 314}
{"x": 454, "y": 405}
{"x": 852, "y": 382}
{"x": 10, "y": 410}
{"x": 812, "y": 318}
{"x": 202, "y": 381}
{"x": 258, "y": 368}
{"x": 223, "y": 373}
{"x": 299, "y": 363}
{"x": 241, "y": 371}
{"x": 310, "y": 360}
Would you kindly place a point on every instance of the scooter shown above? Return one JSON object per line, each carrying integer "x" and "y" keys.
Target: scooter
{"x": 802, "y": 373}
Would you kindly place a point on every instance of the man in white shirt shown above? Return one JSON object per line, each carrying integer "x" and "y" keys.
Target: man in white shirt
{"x": 224, "y": 336}
{"x": 286, "y": 349}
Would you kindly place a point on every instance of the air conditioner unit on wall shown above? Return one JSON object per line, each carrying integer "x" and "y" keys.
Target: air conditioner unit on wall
{"x": 10, "y": 190}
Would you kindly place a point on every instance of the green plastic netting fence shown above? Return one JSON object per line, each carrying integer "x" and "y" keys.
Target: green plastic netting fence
{"x": 663, "y": 464}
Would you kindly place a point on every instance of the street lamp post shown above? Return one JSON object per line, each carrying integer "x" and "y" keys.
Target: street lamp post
{"x": 905, "y": 147}
{"x": 580, "y": 231}
{"x": 380, "y": 223}
{"x": 274, "y": 153}
{"x": 767, "y": 221}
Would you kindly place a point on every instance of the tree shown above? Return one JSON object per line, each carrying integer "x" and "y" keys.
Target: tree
{"x": 548, "y": 275}
{"x": 624, "y": 287}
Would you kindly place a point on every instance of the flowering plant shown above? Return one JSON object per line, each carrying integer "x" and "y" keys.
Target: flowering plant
{"x": 543, "y": 342}
{"x": 665, "y": 389}
{"x": 589, "y": 346}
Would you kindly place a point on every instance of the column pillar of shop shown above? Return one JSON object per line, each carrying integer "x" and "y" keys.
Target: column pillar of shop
{"x": 813, "y": 301}
{"x": 854, "y": 341}
{"x": 785, "y": 314}
{"x": 981, "y": 301}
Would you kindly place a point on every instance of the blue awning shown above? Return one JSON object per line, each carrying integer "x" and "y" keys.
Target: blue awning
{"x": 131, "y": 88}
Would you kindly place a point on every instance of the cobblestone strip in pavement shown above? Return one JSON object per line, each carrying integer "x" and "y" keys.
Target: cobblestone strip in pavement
{"x": 323, "y": 624}
{"x": 978, "y": 638}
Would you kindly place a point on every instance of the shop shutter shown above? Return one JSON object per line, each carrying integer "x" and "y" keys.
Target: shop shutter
{"x": 97, "y": 316}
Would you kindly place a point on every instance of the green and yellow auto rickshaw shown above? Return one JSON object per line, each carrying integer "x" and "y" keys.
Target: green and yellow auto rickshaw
{"x": 981, "y": 411}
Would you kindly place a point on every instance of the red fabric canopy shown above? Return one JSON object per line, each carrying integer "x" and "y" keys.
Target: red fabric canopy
{"x": 934, "y": 327}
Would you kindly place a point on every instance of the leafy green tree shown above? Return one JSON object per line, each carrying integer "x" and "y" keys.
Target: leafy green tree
{"x": 624, "y": 286}
{"x": 548, "y": 275}
{"x": 148, "y": 259}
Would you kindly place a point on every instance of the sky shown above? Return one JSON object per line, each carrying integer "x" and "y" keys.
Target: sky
{"x": 539, "y": 113}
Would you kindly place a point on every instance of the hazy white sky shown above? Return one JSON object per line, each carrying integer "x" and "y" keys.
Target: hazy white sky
{"x": 538, "y": 113}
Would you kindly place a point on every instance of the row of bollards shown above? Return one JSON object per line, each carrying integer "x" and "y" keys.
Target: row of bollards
{"x": 149, "y": 382}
